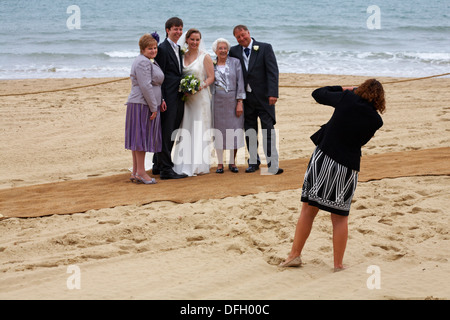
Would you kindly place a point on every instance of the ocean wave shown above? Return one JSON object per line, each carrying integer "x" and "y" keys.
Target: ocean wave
{"x": 426, "y": 57}
{"x": 118, "y": 63}
{"x": 431, "y": 57}
{"x": 48, "y": 71}
{"x": 122, "y": 54}
{"x": 397, "y": 64}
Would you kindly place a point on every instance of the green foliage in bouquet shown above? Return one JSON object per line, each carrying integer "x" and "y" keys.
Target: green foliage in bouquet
{"x": 189, "y": 85}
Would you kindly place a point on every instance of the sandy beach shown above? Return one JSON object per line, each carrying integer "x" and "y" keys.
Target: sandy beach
{"x": 218, "y": 248}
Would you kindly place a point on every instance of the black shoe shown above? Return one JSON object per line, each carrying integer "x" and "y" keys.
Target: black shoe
{"x": 219, "y": 170}
{"x": 233, "y": 169}
{"x": 156, "y": 171}
{"x": 279, "y": 171}
{"x": 164, "y": 175}
{"x": 252, "y": 168}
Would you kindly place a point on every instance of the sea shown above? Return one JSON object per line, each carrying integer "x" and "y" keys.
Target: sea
{"x": 92, "y": 39}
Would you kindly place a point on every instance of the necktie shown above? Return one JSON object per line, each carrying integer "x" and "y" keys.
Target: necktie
{"x": 176, "y": 48}
{"x": 247, "y": 51}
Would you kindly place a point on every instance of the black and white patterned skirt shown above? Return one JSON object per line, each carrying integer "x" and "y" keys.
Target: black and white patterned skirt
{"x": 329, "y": 185}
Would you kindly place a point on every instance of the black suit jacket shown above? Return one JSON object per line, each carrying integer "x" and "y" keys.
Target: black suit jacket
{"x": 262, "y": 73}
{"x": 167, "y": 60}
{"x": 172, "y": 117}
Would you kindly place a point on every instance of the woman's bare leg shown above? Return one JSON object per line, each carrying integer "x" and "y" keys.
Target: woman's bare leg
{"x": 303, "y": 229}
{"x": 140, "y": 165}
{"x": 219, "y": 153}
{"x": 133, "y": 153}
{"x": 340, "y": 236}
{"x": 233, "y": 153}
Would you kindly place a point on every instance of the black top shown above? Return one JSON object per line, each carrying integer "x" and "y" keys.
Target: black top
{"x": 352, "y": 125}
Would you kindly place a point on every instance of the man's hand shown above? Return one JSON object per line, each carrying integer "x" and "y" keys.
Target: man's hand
{"x": 163, "y": 106}
{"x": 272, "y": 100}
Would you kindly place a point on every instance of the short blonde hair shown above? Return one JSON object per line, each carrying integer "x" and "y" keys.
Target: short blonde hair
{"x": 145, "y": 41}
{"x": 220, "y": 40}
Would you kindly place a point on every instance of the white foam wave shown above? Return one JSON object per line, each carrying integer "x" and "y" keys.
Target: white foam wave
{"x": 396, "y": 64}
{"x": 122, "y": 54}
{"x": 118, "y": 64}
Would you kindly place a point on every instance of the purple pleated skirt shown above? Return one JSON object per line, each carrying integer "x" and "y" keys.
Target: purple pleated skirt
{"x": 141, "y": 133}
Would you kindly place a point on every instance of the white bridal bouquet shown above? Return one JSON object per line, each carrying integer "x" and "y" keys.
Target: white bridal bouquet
{"x": 189, "y": 85}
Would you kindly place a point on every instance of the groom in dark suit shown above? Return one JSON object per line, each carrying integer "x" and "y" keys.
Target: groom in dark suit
{"x": 169, "y": 59}
{"x": 260, "y": 70}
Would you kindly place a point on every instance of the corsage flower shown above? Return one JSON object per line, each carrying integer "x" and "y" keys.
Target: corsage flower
{"x": 184, "y": 48}
{"x": 256, "y": 48}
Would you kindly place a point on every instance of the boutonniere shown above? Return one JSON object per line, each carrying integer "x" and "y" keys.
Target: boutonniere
{"x": 183, "y": 49}
{"x": 152, "y": 60}
{"x": 256, "y": 48}
{"x": 215, "y": 62}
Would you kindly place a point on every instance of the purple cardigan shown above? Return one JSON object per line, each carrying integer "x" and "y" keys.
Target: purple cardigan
{"x": 146, "y": 81}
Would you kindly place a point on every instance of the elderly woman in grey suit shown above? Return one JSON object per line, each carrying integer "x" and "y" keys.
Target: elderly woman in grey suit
{"x": 143, "y": 123}
{"x": 229, "y": 92}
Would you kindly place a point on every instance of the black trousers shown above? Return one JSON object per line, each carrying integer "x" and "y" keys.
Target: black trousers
{"x": 170, "y": 121}
{"x": 252, "y": 111}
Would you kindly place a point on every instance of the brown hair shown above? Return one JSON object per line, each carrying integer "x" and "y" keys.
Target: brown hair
{"x": 239, "y": 27}
{"x": 174, "y": 21}
{"x": 145, "y": 41}
{"x": 190, "y": 32}
{"x": 372, "y": 91}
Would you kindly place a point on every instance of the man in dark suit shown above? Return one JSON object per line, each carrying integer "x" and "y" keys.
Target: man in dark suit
{"x": 169, "y": 59}
{"x": 260, "y": 70}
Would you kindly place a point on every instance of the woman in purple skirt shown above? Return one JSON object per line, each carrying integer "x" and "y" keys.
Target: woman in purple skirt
{"x": 143, "y": 123}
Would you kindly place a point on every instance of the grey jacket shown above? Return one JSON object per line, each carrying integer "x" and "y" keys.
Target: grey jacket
{"x": 146, "y": 81}
{"x": 232, "y": 80}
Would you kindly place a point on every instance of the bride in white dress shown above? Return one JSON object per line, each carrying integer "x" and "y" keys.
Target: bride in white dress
{"x": 192, "y": 154}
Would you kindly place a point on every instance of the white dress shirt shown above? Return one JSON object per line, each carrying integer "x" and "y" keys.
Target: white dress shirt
{"x": 176, "y": 49}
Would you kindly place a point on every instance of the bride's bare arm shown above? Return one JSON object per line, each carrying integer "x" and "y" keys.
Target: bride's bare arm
{"x": 209, "y": 67}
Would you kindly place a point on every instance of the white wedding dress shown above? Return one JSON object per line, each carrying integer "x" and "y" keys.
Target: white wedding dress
{"x": 192, "y": 152}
